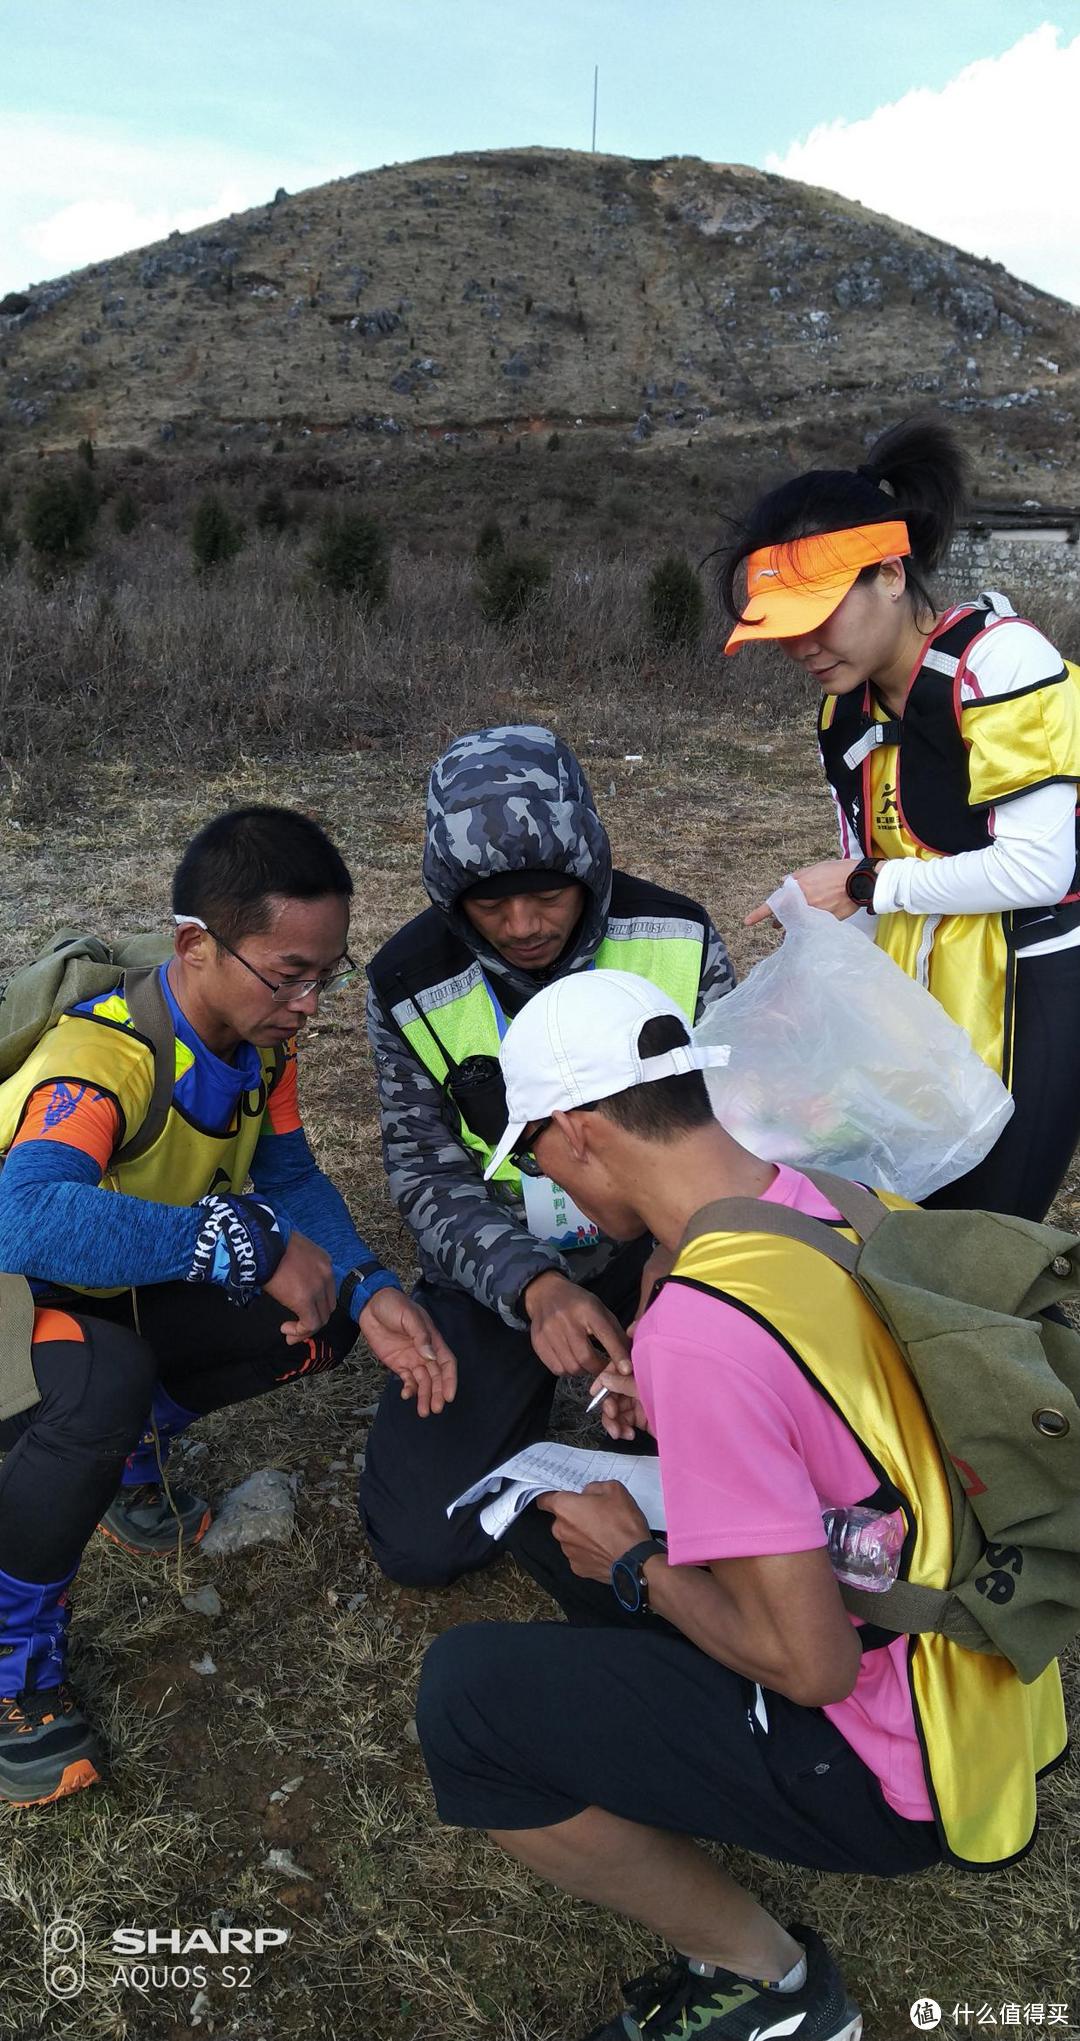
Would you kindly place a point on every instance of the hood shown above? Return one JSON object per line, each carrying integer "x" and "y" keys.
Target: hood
{"x": 514, "y": 799}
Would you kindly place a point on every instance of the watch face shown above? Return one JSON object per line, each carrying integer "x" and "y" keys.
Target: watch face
{"x": 860, "y": 886}
{"x": 627, "y": 1586}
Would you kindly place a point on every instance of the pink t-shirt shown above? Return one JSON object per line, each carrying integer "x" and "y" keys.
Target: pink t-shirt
{"x": 750, "y": 1455}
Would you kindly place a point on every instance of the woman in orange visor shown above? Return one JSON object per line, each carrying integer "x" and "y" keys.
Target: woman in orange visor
{"x": 950, "y": 736}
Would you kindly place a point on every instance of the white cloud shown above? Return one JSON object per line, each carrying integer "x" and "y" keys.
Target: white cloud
{"x": 129, "y": 192}
{"x": 987, "y": 162}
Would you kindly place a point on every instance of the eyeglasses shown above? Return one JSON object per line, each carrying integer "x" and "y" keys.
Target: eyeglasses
{"x": 522, "y": 1158}
{"x": 293, "y": 988}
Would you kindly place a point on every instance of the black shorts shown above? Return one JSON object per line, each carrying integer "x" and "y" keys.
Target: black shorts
{"x": 525, "y": 1724}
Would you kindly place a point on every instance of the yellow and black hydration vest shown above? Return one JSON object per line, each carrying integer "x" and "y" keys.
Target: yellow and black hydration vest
{"x": 100, "y": 1046}
{"x": 434, "y": 988}
{"x": 923, "y": 786}
{"x": 985, "y": 1737}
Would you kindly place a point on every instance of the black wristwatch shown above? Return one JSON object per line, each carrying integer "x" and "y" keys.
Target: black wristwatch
{"x": 859, "y": 884}
{"x": 628, "y": 1582}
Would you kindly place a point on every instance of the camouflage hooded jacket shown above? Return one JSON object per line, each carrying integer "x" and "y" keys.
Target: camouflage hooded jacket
{"x": 505, "y": 799}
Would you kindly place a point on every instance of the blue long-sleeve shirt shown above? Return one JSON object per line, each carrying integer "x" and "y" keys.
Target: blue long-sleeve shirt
{"x": 60, "y": 1225}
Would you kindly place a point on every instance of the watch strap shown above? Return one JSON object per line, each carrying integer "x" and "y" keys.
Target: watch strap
{"x": 359, "y": 1286}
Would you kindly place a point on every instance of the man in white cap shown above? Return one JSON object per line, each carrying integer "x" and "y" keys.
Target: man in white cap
{"x": 717, "y": 1686}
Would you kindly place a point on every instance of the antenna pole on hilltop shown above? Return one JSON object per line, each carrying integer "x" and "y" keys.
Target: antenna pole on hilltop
{"x": 595, "y": 88}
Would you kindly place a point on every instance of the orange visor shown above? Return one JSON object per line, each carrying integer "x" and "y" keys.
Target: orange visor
{"x": 792, "y": 588}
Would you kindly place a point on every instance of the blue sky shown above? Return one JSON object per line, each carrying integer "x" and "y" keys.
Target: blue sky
{"x": 122, "y": 118}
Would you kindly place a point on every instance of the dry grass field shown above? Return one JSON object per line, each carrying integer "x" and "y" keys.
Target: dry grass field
{"x": 134, "y": 706}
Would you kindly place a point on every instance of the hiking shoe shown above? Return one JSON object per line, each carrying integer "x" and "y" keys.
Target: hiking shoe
{"x": 142, "y": 1521}
{"x": 673, "y": 2003}
{"x": 47, "y": 1748}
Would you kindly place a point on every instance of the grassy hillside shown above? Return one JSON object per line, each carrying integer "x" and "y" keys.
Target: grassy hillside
{"x": 452, "y": 305}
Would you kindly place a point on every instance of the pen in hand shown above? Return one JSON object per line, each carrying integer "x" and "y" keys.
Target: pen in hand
{"x": 598, "y": 1398}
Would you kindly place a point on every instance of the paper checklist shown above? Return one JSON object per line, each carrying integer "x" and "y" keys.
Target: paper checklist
{"x": 548, "y": 1465}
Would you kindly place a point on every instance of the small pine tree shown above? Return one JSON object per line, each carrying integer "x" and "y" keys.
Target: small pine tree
{"x": 125, "y": 512}
{"x": 510, "y": 584}
{"x": 9, "y": 539}
{"x": 85, "y": 452}
{"x": 351, "y": 556}
{"x": 554, "y": 442}
{"x": 489, "y": 538}
{"x": 675, "y": 600}
{"x": 273, "y": 511}
{"x": 216, "y": 536}
{"x": 57, "y": 521}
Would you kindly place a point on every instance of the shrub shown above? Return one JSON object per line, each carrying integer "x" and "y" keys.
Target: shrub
{"x": 351, "y": 556}
{"x": 511, "y": 583}
{"x": 9, "y": 540}
{"x": 489, "y": 538}
{"x": 554, "y": 442}
{"x": 58, "y": 519}
{"x": 216, "y": 536}
{"x": 125, "y": 512}
{"x": 85, "y": 452}
{"x": 273, "y": 511}
{"x": 676, "y": 600}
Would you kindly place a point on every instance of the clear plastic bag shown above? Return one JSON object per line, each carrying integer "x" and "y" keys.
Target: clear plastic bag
{"x": 839, "y": 1060}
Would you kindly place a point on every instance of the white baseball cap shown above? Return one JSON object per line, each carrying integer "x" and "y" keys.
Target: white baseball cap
{"x": 577, "y": 1041}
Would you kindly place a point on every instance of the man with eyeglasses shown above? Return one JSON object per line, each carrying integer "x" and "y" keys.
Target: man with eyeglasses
{"x": 134, "y": 1265}
{"x": 526, "y": 1289}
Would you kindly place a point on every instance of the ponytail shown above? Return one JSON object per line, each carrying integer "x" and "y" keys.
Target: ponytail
{"x": 915, "y": 471}
{"x": 920, "y": 464}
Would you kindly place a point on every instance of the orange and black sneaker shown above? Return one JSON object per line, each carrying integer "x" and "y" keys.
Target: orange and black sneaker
{"x": 143, "y": 1521}
{"x": 47, "y": 1748}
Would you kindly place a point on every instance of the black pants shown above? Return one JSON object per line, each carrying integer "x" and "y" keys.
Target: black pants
{"x": 416, "y": 1466}
{"x": 64, "y": 1456}
{"x": 1024, "y": 1169}
{"x": 526, "y": 1724}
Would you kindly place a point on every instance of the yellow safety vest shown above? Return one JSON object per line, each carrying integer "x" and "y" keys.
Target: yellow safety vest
{"x": 466, "y": 1023}
{"x": 984, "y": 1736}
{"x": 102, "y": 1049}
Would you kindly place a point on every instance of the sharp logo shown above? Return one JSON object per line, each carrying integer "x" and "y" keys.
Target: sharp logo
{"x": 197, "y": 1941}
{"x": 768, "y": 574}
{"x": 790, "y": 2026}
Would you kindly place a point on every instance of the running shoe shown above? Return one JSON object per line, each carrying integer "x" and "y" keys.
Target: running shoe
{"x": 47, "y": 1748}
{"x": 143, "y": 1521}
{"x": 675, "y": 2003}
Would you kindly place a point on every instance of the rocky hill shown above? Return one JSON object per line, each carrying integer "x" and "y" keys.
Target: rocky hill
{"x": 655, "y": 305}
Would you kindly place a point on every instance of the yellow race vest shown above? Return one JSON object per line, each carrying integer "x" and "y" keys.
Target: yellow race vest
{"x": 102, "y": 1049}
{"x": 985, "y": 1737}
{"x": 924, "y": 787}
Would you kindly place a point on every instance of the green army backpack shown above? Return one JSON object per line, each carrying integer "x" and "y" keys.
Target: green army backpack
{"x": 963, "y": 1294}
{"x": 75, "y": 966}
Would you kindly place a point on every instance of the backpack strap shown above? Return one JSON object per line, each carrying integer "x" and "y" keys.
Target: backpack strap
{"x": 857, "y": 1206}
{"x": 861, "y": 1209}
{"x": 755, "y": 1215}
{"x": 149, "y": 1010}
{"x": 907, "y": 1609}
